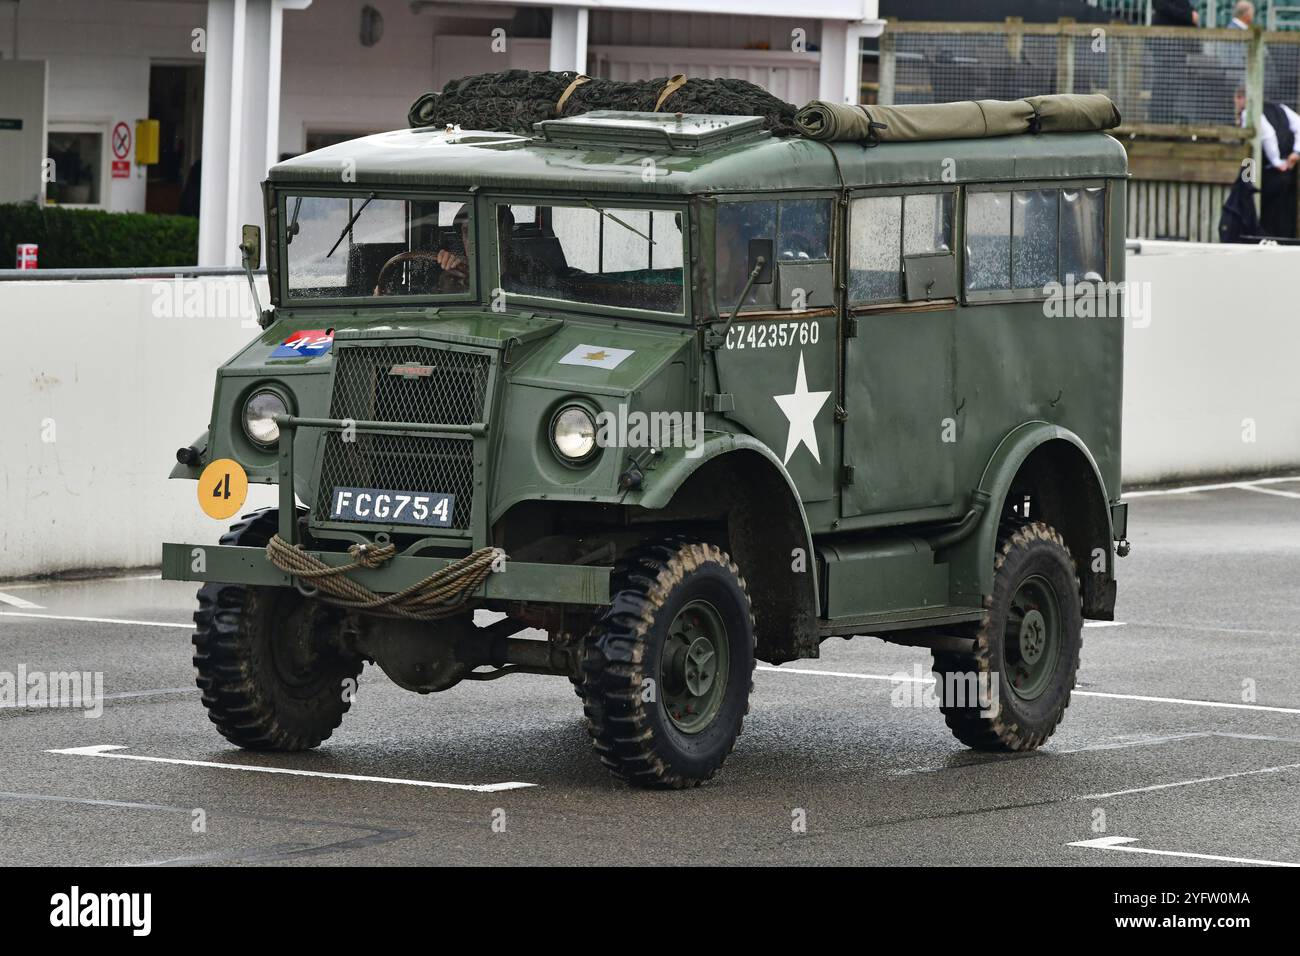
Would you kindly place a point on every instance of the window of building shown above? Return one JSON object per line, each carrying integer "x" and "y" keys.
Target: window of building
{"x": 77, "y": 155}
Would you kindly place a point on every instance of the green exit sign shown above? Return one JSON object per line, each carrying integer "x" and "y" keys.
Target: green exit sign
{"x": 11, "y": 124}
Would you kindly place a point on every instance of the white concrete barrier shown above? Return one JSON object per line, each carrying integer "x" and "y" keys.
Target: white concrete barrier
{"x": 1211, "y": 385}
{"x": 101, "y": 382}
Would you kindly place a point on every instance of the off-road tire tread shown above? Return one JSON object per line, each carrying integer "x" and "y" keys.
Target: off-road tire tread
{"x": 612, "y": 667}
{"x": 999, "y": 732}
{"x": 234, "y": 701}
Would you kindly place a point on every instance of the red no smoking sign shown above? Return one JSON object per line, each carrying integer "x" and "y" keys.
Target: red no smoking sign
{"x": 121, "y": 140}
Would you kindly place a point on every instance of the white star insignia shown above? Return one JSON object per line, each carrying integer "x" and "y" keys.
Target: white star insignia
{"x": 801, "y": 408}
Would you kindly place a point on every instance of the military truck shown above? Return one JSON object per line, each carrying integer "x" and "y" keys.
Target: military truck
{"x": 682, "y": 395}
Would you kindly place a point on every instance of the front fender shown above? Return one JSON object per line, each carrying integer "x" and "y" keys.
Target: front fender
{"x": 676, "y": 466}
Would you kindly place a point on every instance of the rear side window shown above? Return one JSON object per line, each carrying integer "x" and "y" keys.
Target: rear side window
{"x": 1022, "y": 240}
{"x": 1083, "y": 245}
{"x": 883, "y": 230}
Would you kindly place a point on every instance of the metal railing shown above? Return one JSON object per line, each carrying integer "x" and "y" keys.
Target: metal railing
{"x": 134, "y": 272}
{"x": 1273, "y": 14}
{"x": 1166, "y": 80}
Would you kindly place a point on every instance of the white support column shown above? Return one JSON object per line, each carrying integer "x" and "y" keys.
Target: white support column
{"x": 241, "y": 118}
{"x": 841, "y": 60}
{"x": 569, "y": 39}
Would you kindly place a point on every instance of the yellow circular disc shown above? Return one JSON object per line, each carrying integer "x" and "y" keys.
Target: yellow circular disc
{"x": 223, "y": 486}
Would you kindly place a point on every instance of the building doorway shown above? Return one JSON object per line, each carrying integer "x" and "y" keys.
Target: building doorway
{"x": 176, "y": 102}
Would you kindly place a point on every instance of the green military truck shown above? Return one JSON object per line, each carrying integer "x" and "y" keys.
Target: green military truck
{"x": 682, "y": 395}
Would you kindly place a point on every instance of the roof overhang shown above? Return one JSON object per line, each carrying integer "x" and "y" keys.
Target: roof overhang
{"x": 852, "y": 11}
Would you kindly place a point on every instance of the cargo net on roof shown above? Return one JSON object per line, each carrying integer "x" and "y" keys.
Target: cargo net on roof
{"x": 516, "y": 99}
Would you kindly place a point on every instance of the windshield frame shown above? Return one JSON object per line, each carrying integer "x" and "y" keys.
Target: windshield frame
{"x": 286, "y": 193}
{"x": 490, "y": 239}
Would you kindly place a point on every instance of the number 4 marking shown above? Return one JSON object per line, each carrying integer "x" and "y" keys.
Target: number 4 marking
{"x": 222, "y": 487}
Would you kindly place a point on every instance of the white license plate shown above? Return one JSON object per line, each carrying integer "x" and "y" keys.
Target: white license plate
{"x": 429, "y": 508}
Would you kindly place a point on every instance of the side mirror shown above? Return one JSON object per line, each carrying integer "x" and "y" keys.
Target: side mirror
{"x": 251, "y": 247}
{"x": 757, "y": 248}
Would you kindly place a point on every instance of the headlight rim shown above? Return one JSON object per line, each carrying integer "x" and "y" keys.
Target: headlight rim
{"x": 249, "y": 397}
{"x": 564, "y": 459}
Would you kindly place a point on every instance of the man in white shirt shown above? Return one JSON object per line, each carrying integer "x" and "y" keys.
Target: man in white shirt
{"x": 1279, "y": 135}
{"x": 1243, "y": 15}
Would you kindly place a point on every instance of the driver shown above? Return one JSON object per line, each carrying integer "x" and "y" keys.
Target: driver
{"x": 456, "y": 265}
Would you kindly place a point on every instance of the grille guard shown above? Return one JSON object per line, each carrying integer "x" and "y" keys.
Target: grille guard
{"x": 289, "y": 424}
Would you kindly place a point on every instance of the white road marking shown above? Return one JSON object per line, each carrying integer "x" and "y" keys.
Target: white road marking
{"x": 105, "y": 750}
{"x": 96, "y": 620}
{"x": 61, "y": 582}
{"x": 1120, "y": 843}
{"x": 1192, "y": 703}
{"x": 1270, "y": 491}
{"x": 17, "y": 601}
{"x": 1189, "y": 783}
{"x": 781, "y": 670}
{"x": 161, "y": 692}
{"x": 1192, "y": 489}
{"x": 907, "y": 679}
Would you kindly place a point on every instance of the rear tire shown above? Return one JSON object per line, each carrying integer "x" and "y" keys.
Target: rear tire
{"x": 270, "y": 663}
{"x": 669, "y": 665}
{"x": 1026, "y": 649}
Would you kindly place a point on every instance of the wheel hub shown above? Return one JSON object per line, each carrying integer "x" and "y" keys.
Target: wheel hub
{"x": 698, "y": 666}
{"x": 694, "y": 666}
{"x": 1033, "y": 636}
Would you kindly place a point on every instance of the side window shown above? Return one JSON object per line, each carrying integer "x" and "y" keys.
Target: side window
{"x": 884, "y": 230}
{"x": 988, "y": 241}
{"x": 1083, "y": 246}
{"x": 927, "y": 224}
{"x": 1035, "y": 219}
{"x": 1022, "y": 240}
{"x": 738, "y": 223}
{"x": 804, "y": 233}
{"x": 800, "y": 230}
{"x": 875, "y": 243}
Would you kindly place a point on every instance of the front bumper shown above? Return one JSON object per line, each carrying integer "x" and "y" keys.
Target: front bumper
{"x": 519, "y": 581}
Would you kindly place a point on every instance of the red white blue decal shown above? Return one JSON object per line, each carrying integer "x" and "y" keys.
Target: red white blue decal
{"x": 305, "y": 344}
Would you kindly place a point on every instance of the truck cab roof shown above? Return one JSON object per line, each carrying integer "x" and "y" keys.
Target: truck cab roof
{"x": 689, "y": 154}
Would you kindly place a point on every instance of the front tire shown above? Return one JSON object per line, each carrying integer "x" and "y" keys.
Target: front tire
{"x": 270, "y": 662}
{"x": 669, "y": 666}
{"x": 1026, "y": 650}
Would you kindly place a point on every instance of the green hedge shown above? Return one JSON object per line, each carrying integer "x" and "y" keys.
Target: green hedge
{"x": 93, "y": 239}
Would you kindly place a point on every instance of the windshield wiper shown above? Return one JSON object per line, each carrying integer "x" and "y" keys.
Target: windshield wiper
{"x": 348, "y": 228}
{"x": 293, "y": 223}
{"x": 610, "y": 215}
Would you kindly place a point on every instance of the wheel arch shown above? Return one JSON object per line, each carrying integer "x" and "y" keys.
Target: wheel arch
{"x": 1054, "y": 467}
{"x": 767, "y": 533}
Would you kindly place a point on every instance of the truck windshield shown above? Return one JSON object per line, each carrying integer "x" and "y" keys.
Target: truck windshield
{"x": 360, "y": 246}
{"x": 596, "y": 255}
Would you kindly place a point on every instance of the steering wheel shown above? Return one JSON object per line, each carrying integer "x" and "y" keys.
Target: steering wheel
{"x": 411, "y": 255}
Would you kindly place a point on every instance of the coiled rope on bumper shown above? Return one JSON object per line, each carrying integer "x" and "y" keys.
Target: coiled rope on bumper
{"x": 442, "y": 594}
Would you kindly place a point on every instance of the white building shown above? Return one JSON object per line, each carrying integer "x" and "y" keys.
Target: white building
{"x": 239, "y": 83}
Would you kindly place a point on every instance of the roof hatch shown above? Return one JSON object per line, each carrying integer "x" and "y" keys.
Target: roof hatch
{"x": 676, "y": 132}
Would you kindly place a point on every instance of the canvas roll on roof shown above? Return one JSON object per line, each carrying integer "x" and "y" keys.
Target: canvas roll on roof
{"x": 970, "y": 119}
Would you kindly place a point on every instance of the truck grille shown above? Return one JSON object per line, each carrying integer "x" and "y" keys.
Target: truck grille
{"x": 430, "y": 385}
{"x": 405, "y": 383}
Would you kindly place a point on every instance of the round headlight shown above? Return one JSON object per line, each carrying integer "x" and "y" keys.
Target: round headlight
{"x": 573, "y": 432}
{"x": 259, "y": 417}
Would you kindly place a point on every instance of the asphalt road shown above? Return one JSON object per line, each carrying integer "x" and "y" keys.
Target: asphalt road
{"x": 1183, "y": 738}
